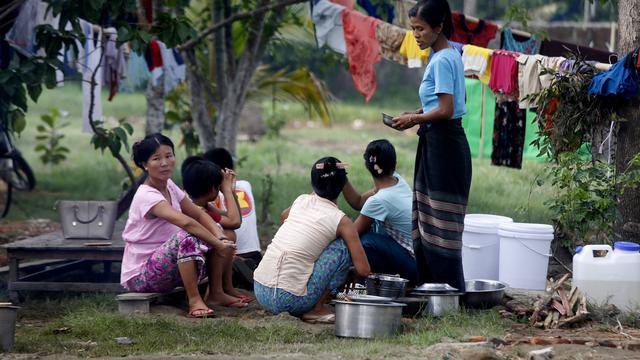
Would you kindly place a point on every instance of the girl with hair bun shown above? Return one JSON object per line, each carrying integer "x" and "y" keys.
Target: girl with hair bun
{"x": 384, "y": 223}
{"x": 311, "y": 252}
{"x": 442, "y": 176}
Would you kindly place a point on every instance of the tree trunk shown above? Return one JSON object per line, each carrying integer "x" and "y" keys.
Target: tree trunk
{"x": 629, "y": 133}
{"x": 155, "y": 106}
{"x": 199, "y": 111}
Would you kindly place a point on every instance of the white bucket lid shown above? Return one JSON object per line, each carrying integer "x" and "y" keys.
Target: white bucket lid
{"x": 484, "y": 223}
{"x": 526, "y": 230}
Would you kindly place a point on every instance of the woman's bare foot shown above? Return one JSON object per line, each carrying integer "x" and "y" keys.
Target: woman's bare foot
{"x": 225, "y": 300}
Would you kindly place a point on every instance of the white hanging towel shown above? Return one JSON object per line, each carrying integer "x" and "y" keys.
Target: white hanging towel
{"x": 88, "y": 63}
{"x": 327, "y": 18}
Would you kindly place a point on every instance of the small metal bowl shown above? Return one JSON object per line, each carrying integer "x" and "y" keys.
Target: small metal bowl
{"x": 483, "y": 294}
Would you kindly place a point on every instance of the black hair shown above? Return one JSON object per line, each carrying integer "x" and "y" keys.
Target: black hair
{"x": 143, "y": 149}
{"x": 220, "y": 156}
{"x": 434, "y": 13}
{"x": 199, "y": 176}
{"x": 380, "y": 158}
{"x": 328, "y": 178}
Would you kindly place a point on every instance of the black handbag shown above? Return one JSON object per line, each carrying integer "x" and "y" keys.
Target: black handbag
{"x": 87, "y": 219}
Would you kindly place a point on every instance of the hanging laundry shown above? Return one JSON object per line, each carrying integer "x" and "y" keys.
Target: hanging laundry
{"x": 383, "y": 10}
{"x": 153, "y": 55}
{"x": 470, "y": 32}
{"x": 346, "y": 3}
{"x": 531, "y": 76}
{"x": 525, "y": 46}
{"x": 402, "y": 14}
{"x": 89, "y": 63}
{"x": 619, "y": 81}
{"x": 327, "y": 18}
{"x": 23, "y": 31}
{"x": 363, "y": 50}
{"x": 390, "y": 38}
{"x": 114, "y": 63}
{"x": 410, "y": 50}
{"x": 147, "y": 8}
{"x": 508, "y": 135}
{"x": 181, "y": 69}
{"x": 561, "y": 48}
{"x": 173, "y": 73}
{"x": 477, "y": 61}
{"x": 504, "y": 74}
{"x": 137, "y": 74}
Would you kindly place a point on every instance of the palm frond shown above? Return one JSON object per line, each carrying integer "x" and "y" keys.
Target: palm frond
{"x": 299, "y": 85}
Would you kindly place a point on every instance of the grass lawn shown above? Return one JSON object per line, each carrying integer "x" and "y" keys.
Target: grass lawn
{"x": 278, "y": 169}
{"x": 87, "y": 326}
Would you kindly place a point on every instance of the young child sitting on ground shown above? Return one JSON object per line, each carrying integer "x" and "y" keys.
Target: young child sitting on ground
{"x": 203, "y": 180}
{"x": 305, "y": 261}
{"x": 384, "y": 223}
{"x": 248, "y": 252}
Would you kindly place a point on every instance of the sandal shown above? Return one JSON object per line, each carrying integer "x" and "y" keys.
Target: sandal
{"x": 201, "y": 313}
{"x": 246, "y": 299}
{"x": 319, "y": 319}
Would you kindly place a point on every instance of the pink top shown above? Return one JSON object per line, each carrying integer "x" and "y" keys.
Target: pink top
{"x": 143, "y": 235}
{"x": 504, "y": 72}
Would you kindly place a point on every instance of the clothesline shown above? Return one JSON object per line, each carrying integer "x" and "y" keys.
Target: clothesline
{"x": 599, "y": 65}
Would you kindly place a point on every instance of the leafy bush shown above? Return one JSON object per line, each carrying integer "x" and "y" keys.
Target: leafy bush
{"x": 49, "y": 137}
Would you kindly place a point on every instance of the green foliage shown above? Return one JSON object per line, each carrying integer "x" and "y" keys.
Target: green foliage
{"x": 586, "y": 196}
{"x": 49, "y": 137}
{"x": 584, "y": 207}
{"x": 178, "y": 115}
{"x": 112, "y": 138}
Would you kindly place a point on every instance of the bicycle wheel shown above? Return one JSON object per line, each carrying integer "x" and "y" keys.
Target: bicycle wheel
{"x": 22, "y": 177}
{"x": 5, "y": 197}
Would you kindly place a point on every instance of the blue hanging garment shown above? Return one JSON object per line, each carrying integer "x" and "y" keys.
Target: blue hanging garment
{"x": 137, "y": 74}
{"x": 528, "y": 47}
{"x": 383, "y": 10}
{"x": 619, "y": 80}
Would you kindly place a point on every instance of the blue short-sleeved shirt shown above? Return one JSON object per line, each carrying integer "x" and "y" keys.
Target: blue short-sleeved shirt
{"x": 444, "y": 75}
{"x": 391, "y": 209}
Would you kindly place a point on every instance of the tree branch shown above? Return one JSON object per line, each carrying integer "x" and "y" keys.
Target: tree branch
{"x": 193, "y": 42}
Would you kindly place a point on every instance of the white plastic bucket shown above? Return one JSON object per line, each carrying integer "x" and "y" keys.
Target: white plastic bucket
{"x": 481, "y": 246}
{"x": 524, "y": 254}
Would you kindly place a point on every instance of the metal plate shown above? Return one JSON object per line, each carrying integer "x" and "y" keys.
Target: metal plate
{"x": 370, "y": 299}
{"x": 433, "y": 288}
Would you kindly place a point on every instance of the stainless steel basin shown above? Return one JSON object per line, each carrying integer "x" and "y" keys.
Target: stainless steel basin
{"x": 367, "y": 320}
{"x": 483, "y": 294}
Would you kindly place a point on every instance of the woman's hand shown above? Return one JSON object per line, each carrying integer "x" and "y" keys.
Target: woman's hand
{"x": 225, "y": 248}
{"x": 228, "y": 180}
{"x": 404, "y": 121}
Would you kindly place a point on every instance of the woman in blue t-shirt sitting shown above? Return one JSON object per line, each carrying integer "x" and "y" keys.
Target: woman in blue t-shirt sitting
{"x": 384, "y": 223}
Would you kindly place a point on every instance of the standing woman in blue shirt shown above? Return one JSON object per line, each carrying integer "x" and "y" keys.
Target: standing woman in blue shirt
{"x": 443, "y": 161}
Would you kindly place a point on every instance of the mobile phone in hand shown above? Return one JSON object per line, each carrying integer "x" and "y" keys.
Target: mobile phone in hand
{"x": 388, "y": 120}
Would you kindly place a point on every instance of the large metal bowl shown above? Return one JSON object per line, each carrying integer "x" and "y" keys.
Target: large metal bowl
{"x": 483, "y": 294}
{"x": 367, "y": 320}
